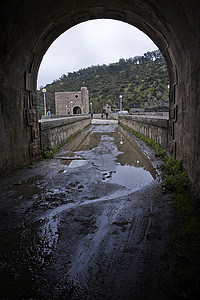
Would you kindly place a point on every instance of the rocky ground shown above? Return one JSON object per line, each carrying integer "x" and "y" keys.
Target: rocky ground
{"x": 81, "y": 228}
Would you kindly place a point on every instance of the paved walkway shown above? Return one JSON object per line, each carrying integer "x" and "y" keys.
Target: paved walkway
{"x": 104, "y": 121}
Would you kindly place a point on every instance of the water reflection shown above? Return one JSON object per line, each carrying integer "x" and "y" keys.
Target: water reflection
{"x": 131, "y": 155}
{"x": 111, "y": 150}
{"x": 77, "y": 163}
{"x": 128, "y": 176}
{"x": 26, "y": 189}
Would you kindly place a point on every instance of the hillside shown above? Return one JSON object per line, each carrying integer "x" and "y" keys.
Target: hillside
{"x": 142, "y": 80}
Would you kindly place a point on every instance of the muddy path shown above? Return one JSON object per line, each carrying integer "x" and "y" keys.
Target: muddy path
{"x": 91, "y": 223}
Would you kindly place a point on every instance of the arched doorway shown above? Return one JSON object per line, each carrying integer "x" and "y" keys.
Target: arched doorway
{"x": 76, "y": 110}
{"x": 23, "y": 48}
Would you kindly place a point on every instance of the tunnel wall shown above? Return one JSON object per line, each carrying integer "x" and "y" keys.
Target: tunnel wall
{"x": 19, "y": 135}
{"x": 28, "y": 28}
{"x": 56, "y": 131}
{"x": 152, "y": 127}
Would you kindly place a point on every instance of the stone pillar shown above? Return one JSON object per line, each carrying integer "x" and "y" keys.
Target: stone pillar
{"x": 85, "y": 100}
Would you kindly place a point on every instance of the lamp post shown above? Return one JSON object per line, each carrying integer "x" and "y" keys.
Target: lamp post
{"x": 121, "y": 140}
{"x": 45, "y": 108}
{"x": 71, "y": 107}
{"x": 66, "y": 110}
{"x": 120, "y": 98}
{"x": 90, "y": 106}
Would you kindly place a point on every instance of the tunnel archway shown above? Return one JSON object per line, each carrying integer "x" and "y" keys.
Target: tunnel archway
{"x": 29, "y": 28}
{"x": 77, "y": 110}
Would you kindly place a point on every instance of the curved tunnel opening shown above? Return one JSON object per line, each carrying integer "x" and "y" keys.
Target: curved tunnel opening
{"x": 155, "y": 35}
{"x": 153, "y": 100}
{"x": 156, "y": 20}
{"x": 76, "y": 110}
{"x": 163, "y": 22}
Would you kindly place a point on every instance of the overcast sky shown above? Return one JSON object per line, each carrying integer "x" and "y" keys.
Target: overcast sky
{"x": 95, "y": 42}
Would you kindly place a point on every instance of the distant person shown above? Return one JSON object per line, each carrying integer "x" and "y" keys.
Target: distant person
{"x": 102, "y": 116}
{"x": 91, "y": 115}
{"x": 106, "y": 115}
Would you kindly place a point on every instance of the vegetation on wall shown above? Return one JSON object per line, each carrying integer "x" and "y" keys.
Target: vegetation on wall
{"x": 141, "y": 80}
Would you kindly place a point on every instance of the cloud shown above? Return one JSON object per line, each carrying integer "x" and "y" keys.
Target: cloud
{"x": 90, "y": 43}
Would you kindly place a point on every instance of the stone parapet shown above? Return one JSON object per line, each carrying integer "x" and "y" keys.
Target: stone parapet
{"x": 53, "y": 132}
{"x": 153, "y": 127}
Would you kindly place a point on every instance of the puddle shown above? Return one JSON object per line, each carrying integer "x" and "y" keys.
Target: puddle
{"x": 118, "y": 159}
{"x": 77, "y": 163}
{"x": 128, "y": 176}
{"x": 111, "y": 150}
{"x": 27, "y": 188}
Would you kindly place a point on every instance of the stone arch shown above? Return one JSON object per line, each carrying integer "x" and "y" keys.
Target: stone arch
{"x": 29, "y": 28}
{"x": 58, "y": 27}
{"x": 77, "y": 110}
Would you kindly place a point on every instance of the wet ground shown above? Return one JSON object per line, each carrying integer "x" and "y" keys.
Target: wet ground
{"x": 91, "y": 223}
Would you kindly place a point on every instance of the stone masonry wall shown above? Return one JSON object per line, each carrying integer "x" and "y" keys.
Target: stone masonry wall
{"x": 55, "y": 131}
{"x": 155, "y": 128}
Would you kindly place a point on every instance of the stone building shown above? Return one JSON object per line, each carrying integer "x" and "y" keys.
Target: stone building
{"x": 72, "y": 102}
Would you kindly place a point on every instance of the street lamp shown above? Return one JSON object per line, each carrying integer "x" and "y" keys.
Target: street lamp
{"x": 91, "y": 107}
{"x": 45, "y": 108}
{"x": 120, "y": 98}
{"x": 121, "y": 140}
{"x": 71, "y": 107}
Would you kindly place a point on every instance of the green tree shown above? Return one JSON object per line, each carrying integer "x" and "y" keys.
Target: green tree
{"x": 142, "y": 80}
